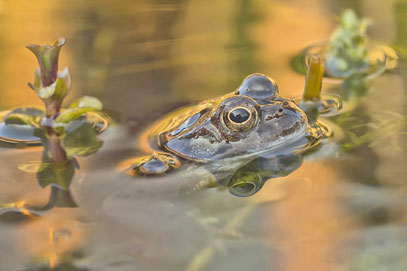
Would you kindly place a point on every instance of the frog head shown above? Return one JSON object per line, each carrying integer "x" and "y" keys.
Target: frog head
{"x": 251, "y": 120}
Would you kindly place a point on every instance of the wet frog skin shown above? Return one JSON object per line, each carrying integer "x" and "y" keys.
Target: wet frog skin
{"x": 250, "y": 123}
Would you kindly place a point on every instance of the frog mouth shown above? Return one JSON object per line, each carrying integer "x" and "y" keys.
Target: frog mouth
{"x": 298, "y": 127}
{"x": 287, "y": 137}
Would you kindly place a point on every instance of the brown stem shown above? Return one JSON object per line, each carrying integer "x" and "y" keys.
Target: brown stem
{"x": 57, "y": 152}
{"x": 52, "y": 109}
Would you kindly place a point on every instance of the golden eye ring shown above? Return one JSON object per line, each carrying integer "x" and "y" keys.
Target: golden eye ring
{"x": 240, "y": 118}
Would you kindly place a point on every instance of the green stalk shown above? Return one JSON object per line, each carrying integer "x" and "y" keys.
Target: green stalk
{"x": 313, "y": 83}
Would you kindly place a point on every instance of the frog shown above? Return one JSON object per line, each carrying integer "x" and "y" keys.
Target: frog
{"x": 251, "y": 127}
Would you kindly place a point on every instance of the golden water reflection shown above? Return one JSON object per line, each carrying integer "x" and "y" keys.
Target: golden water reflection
{"x": 141, "y": 57}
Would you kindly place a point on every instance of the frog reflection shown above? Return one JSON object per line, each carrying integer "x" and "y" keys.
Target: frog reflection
{"x": 227, "y": 135}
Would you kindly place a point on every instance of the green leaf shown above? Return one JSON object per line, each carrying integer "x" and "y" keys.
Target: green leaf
{"x": 60, "y": 174}
{"x": 56, "y": 91}
{"x": 78, "y": 108}
{"x": 66, "y": 76}
{"x": 71, "y": 115}
{"x": 61, "y": 90}
{"x": 60, "y": 130}
{"x": 37, "y": 79}
{"x": 82, "y": 141}
{"x": 297, "y": 64}
{"x": 87, "y": 101}
{"x": 23, "y": 119}
{"x": 24, "y": 116}
{"x": 46, "y": 92}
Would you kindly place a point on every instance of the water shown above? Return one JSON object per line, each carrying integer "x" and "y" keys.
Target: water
{"x": 340, "y": 210}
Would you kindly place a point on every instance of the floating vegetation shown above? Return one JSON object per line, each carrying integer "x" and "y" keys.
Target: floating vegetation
{"x": 349, "y": 51}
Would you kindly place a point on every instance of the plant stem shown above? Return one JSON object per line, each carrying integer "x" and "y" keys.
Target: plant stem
{"x": 58, "y": 154}
{"x": 313, "y": 83}
{"x": 52, "y": 109}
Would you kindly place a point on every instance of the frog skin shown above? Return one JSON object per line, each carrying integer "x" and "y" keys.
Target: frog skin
{"x": 254, "y": 121}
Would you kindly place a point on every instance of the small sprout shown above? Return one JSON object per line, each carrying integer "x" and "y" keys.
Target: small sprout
{"x": 50, "y": 85}
{"x": 48, "y": 56}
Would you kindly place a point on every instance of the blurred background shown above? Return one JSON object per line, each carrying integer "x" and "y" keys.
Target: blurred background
{"x": 142, "y": 58}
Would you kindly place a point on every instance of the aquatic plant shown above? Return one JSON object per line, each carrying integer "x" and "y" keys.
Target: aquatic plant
{"x": 52, "y": 87}
{"x": 64, "y": 133}
{"x": 347, "y": 52}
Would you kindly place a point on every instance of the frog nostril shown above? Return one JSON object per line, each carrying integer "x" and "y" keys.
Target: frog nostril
{"x": 277, "y": 115}
{"x": 269, "y": 117}
{"x": 286, "y": 103}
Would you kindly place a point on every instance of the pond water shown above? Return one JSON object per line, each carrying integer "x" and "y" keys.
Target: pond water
{"x": 344, "y": 208}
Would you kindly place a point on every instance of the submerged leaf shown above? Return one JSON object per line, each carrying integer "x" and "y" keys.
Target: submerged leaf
{"x": 82, "y": 141}
{"x": 60, "y": 174}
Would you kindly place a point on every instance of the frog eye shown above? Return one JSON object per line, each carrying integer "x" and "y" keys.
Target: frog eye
{"x": 239, "y": 118}
{"x": 239, "y": 115}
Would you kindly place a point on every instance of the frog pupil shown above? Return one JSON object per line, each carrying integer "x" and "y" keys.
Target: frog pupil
{"x": 239, "y": 115}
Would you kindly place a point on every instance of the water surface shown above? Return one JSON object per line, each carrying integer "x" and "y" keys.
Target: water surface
{"x": 343, "y": 209}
